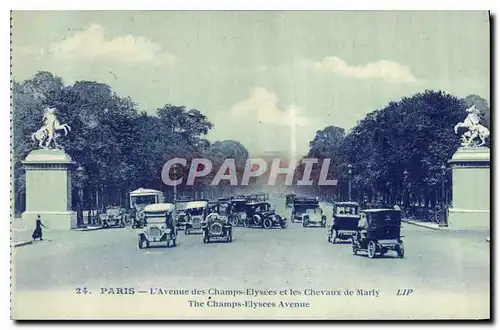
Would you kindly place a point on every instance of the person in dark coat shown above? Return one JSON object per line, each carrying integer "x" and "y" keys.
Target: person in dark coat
{"x": 37, "y": 233}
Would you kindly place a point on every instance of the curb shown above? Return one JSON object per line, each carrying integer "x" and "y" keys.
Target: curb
{"x": 88, "y": 229}
{"x": 424, "y": 225}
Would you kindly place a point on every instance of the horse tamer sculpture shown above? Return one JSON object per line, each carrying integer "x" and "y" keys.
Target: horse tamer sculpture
{"x": 47, "y": 135}
{"x": 474, "y": 129}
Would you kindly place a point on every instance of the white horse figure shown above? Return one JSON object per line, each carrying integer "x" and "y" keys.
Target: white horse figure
{"x": 48, "y": 133}
{"x": 475, "y": 129}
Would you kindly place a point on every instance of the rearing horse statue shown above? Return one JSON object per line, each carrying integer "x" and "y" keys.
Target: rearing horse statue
{"x": 48, "y": 133}
{"x": 475, "y": 129}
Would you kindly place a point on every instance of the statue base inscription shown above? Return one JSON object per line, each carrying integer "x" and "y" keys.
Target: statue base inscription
{"x": 48, "y": 189}
{"x": 471, "y": 189}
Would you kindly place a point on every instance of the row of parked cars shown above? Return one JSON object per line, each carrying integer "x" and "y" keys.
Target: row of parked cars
{"x": 162, "y": 222}
{"x": 373, "y": 229}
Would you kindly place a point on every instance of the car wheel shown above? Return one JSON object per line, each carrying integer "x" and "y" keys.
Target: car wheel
{"x": 247, "y": 223}
{"x": 267, "y": 223}
{"x": 372, "y": 249}
{"x": 140, "y": 242}
{"x": 257, "y": 220}
{"x": 284, "y": 224}
{"x": 400, "y": 250}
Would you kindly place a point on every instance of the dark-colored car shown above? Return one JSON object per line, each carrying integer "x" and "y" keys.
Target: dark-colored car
{"x": 345, "y": 221}
{"x": 379, "y": 231}
{"x": 180, "y": 211}
{"x": 237, "y": 211}
{"x": 260, "y": 214}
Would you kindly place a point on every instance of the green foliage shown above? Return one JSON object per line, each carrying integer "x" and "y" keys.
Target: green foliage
{"x": 413, "y": 134}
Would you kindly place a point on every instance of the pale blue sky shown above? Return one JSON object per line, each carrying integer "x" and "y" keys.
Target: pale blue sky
{"x": 247, "y": 70}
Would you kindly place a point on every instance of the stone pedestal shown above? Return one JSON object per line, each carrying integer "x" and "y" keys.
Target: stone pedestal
{"x": 48, "y": 189}
{"x": 471, "y": 189}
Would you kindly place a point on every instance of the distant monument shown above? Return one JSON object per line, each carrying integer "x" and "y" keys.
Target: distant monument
{"x": 471, "y": 176}
{"x": 48, "y": 177}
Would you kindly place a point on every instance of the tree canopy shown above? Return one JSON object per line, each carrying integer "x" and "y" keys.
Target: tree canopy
{"x": 413, "y": 135}
{"x": 120, "y": 147}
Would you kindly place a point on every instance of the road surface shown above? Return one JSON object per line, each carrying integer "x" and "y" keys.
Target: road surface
{"x": 443, "y": 268}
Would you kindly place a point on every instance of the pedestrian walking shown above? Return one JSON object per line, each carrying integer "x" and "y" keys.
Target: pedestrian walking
{"x": 37, "y": 233}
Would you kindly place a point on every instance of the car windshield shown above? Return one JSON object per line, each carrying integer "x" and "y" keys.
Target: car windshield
{"x": 223, "y": 209}
{"x": 197, "y": 211}
{"x": 316, "y": 210}
{"x": 158, "y": 217}
{"x": 238, "y": 207}
{"x": 344, "y": 209}
{"x": 262, "y": 207}
{"x": 155, "y": 219}
{"x": 144, "y": 200}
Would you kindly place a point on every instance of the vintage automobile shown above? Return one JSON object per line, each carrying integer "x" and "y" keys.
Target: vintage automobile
{"x": 139, "y": 199}
{"x": 260, "y": 214}
{"x": 237, "y": 211}
{"x": 289, "y": 198}
{"x": 159, "y": 225}
{"x": 345, "y": 221}
{"x": 216, "y": 226}
{"x": 379, "y": 231}
{"x": 195, "y": 213}
{"x": 258, "y": 197}
{"x": 307, "y": 211}
{"x": 113, "y": 217}
{"x": 180, "y": 212}
{"x": 314, "y": 217}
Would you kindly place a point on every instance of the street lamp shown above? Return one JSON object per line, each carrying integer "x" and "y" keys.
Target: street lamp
{"x": 80, "y": 172}
{"x": 443, "y": 178}
{"x": 349, "y": 171}
{"x": 175, "y": 186}
{"x": 405, "y": 188}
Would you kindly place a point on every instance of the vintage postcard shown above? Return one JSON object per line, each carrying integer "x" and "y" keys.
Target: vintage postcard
{"x": 219, "y": 165}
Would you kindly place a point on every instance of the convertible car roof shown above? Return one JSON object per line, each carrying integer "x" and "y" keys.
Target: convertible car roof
{"x": 196, "y": 204}
{"x": 159, "y": 207}
{"x": 144, "y": 192}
